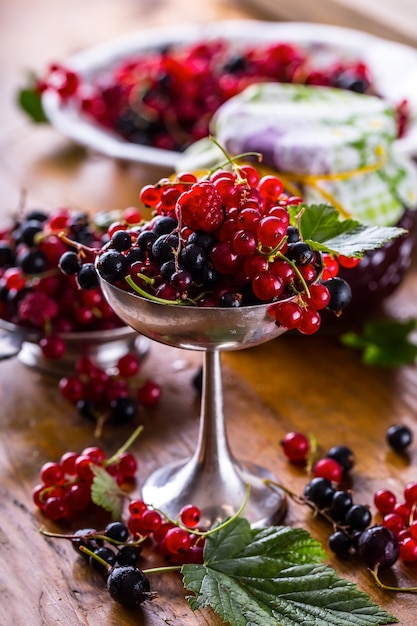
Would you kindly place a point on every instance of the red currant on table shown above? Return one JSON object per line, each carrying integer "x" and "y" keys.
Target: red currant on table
{"x": 328, "y": 468}
{"x": 384, "y": 501}
{"x": 65, "y": 487}
{"x": 296, "y": 447}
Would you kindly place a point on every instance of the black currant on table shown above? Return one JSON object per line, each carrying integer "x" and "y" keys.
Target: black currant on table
{"x": 378, "y": 546}
{"x": 399, "y": 437}
{"x": 128, "y": 585}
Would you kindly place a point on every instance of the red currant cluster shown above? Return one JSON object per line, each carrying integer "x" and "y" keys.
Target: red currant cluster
{"x": 34, "y": 294}
{"x": 223, "y": 241}
{"x": 113, "y": 395}
{"x": 65, "y": 488}
{"x": 165, "y": 98}
{"x": 400, "y": 517}
{"x": 177, "y": 541}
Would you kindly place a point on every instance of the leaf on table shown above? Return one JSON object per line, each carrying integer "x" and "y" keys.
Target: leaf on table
{"x": 29, "y": 100}
{"x": 384, "y": 343}
{"x": 105, "y": 491}
{"x": 323, "y": 230}
{"x": 274, "y": 577}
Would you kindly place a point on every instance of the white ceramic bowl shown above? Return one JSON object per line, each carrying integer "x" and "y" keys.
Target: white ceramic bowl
{"x": 392, "y": 65}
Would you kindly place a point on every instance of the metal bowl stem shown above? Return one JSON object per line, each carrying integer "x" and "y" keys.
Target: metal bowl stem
{"x": 212, "y": 478}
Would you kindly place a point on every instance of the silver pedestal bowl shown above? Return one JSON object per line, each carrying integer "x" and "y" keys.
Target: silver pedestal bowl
{"x": 212, "y": 478}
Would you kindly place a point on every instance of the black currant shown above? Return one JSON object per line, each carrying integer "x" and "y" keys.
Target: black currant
{"x": 7, "y": 255}
{"x": 37, "y": 215}
{"x": 193, "y": 258}
{"x": 70, "y": 263}
{"x": 399, "y": 437}
{"x": 121, "y": 240}
{"x": 117, "y": 531}
{"x": 293, "y": 234}
{"x": 112, "y": 265}
{"x": 88, "y": 409}
{"x": 300, "y": 252}
{"x": 358, "y": 517}
{"x": 82, "y": 538}
{"x": 340, "y": 543}
{"x": 146, "y": 240}
{"x": 33, "y": 262}
{"x": 129, "y": 555}
{"x": 123, "y": 409}
{"x": 341, "y": 503}
{"x": 87, "y": 277}
{"x": 165, "y": 247}
{"x": 28, "y": 231}
{"x": 378, "y": 546}
{"x": 343, "y": 455}
{"x": 201, "y": 239}
{"x": 167, "y": 269}
{"x": 164, "y": 225}
{"x": 135, "y": 254}
{"x": 230, "y": 299}
{"x": 105, "y": 553}
{"x": 319, "y": 491}
{"x": 128, "y": 586}
{"x": 340, "y": 293}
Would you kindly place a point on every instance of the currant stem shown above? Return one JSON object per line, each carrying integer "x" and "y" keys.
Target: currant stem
{"x": 125, "y": 446}
{"x": 302, "y": 500}
{"x": 147, "y": 295}
{"x": 375, "y": 574}
{"x": 312, "y": 454}
{"x": 162, "y": 570}
{"x": 297, "y": 271}
{"x": 96, "y": 557}
{"x": 232, "y": 161}
{"x": 80, "y": 247}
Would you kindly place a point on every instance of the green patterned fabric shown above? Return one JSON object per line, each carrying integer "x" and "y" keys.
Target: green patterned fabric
{"x": 318, "y": 131}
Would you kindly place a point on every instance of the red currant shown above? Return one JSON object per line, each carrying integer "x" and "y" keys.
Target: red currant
{"x": 190, "y": 516}
{"x": 296, "y": 446}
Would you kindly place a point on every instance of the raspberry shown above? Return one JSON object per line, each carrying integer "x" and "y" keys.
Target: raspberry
{"x": 200, "y": 208}
{"x": 37, "y": 308}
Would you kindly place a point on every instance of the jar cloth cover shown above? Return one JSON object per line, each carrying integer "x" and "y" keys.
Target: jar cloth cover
{"x": 328, "y": 145}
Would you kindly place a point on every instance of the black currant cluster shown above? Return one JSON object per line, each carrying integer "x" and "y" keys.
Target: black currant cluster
{"x": 352, "y": 530}
{"x": 114, "y": 554}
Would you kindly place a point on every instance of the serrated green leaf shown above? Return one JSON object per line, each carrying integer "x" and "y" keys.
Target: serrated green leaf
{"x": 323, "y": 229}
{"x": 105, "y": 492}
{"x": 29, "y": 100}
{"x": 272, "y": 577}
{"x": 384, "y": 343}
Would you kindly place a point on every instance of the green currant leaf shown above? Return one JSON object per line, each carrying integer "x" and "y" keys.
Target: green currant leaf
{"x": 323, "y": 229}
{"x": 273, "y": 577}
{"x": 105, "y": 492}
{"x": 384, "y": 343}
{"x": 29, "y": 100}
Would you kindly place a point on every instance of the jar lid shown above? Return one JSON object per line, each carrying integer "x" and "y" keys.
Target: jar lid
{"x": 334, "y": 146}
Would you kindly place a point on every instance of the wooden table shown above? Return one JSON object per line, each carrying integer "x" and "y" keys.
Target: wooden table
{"x": 295, "y": 383}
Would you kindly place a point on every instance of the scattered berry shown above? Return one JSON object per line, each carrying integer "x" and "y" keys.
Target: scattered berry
{"x": 399, "y": 437}
{"x": 296, "y": 447}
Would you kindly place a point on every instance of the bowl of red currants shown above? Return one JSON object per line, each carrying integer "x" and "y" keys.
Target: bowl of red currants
{"x": 45, "y": 318}
{"x": 146, "y": 97}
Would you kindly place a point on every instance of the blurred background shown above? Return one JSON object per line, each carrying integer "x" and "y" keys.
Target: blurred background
{"x": 34, "y": 33}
